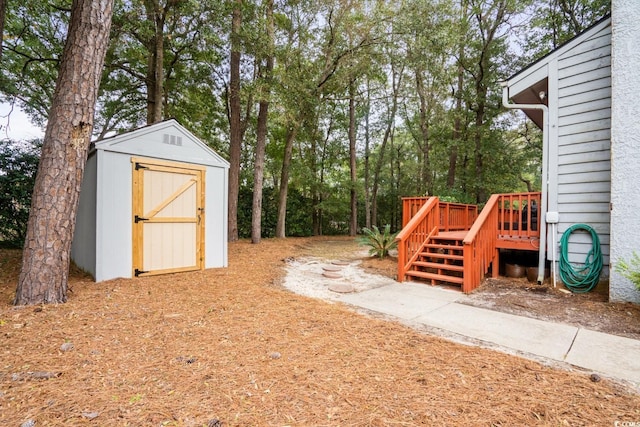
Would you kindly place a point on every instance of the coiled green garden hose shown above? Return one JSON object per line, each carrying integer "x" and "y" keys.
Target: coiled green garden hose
{"x": 585, "y": 278}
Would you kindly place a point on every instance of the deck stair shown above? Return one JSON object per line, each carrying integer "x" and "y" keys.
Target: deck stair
{"x": 440, "y": 262}
{"x": 451, "y": 244}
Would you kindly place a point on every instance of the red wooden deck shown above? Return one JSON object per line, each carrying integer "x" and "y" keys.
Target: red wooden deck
{"x": 450, "y": 243}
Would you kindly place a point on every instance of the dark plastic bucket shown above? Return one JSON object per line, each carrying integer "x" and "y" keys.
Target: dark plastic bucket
{"x": 532, "y": 273}
{"x": 514, "y": 270}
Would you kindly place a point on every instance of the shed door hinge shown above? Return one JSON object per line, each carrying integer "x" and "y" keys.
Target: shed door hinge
{"x": 137, "y": 219}
{"x": 139, "y": 272}
{"x": 140, "y": 166}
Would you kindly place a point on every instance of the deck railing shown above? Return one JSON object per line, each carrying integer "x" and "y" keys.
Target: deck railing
{"x": 416, "y": 232}
{"x": 457, "y": 216}
{"x": 518, "y": 217}
{"x": 479, "y": 246}
{"x": 453, "y": 216}
{"x": 410, "y": 207}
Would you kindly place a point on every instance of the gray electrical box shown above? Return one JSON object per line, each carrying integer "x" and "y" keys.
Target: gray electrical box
{"x": 552, "y": 217}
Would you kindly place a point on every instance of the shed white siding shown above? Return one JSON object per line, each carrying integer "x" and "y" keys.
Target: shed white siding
{"x": 581, "y": 174}
{"x": 103, "y": 239}
{"x": 114, "y": 239}
{"x": 84, "y": 236}
{"x": 216, "y": 211}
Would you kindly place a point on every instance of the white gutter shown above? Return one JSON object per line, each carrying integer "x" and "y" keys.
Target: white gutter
{"x": 545, "y": 172}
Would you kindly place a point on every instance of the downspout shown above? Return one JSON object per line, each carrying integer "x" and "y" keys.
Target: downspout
{"x": 544, "y": 173}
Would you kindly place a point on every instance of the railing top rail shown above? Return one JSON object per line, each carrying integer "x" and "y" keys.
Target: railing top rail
{"x": 532, "y": 193}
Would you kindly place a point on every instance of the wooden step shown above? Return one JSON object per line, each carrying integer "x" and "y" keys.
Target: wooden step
{"x": 438, "y": 266}
{"x": 436, "y": 255}
{"x": 451, "y": 241}
{"x": 442, "y": 249}
{"x": 435, "y": 277}
{"x": 440, "y": 261}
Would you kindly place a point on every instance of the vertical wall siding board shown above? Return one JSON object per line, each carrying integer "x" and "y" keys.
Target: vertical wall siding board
{"x": 83, "y": 249}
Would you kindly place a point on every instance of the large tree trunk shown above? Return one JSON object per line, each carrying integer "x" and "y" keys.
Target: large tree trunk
{"x": 353, "y": 220}
{"x": 424, "y": 133}
{"x": 367, "y": 153}
{"x": 284, "y": 182}
{"x": 235, "y": 143}
{"x": 478, "y": 166}
{"x": 457, "y": 125}
{"x": 261, "y": 139}
{"x": 388, "y": 134}
{"x": 45, "y": 262}
{"x": 155, "y": 61}
{"x": 3, "y": 10}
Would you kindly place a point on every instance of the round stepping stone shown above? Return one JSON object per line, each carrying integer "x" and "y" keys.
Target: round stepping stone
{"x": 340, "y": 262}
{"x": 332, "y": 275}
{"x": 331, "y": 268}
{"x": 341, "y": 288}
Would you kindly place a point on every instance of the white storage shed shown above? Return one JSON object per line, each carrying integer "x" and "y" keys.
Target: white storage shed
{"x": 153, "y": 201}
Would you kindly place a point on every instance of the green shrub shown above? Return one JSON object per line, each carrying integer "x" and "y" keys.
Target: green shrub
{"x": 380, "y": 242}
{"x": 631, "y": 269}
{"x": 18, "y": 166}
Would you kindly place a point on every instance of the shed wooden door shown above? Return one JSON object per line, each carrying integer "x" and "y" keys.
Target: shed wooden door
{"x": 168, "y": 217}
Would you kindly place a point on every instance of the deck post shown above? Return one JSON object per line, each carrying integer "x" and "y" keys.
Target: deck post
{"x": 402, "y": 260}
{"x": 467, "y": 275}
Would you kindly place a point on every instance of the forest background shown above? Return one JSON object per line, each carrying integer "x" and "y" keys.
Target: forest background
{"x": 329, "y": 111}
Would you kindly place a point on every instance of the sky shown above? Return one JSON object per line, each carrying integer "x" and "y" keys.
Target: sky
{"x": 17, "y": 125}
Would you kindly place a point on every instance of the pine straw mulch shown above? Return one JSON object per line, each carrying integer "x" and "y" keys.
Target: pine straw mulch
{"x": 230, "y": 347}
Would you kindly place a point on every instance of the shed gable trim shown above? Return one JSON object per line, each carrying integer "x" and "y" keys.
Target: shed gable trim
{"x": 170, "y": 134}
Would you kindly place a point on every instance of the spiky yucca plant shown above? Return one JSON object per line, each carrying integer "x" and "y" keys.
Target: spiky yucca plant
{"x": 380, "y": 242}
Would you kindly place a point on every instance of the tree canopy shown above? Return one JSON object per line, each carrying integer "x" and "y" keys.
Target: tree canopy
{"x": 368, "y": 101}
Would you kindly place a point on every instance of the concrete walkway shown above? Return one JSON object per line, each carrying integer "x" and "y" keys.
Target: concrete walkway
{"x": 444, "y": 310}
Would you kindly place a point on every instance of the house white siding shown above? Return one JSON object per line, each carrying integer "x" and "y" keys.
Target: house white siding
{"x": 581, "y": 174}
{"x": 625, "y": 144}
{"x": 593, "y": 133}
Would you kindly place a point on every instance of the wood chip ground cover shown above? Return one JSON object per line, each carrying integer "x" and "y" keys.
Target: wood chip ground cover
{"x": 231, "y": 347}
